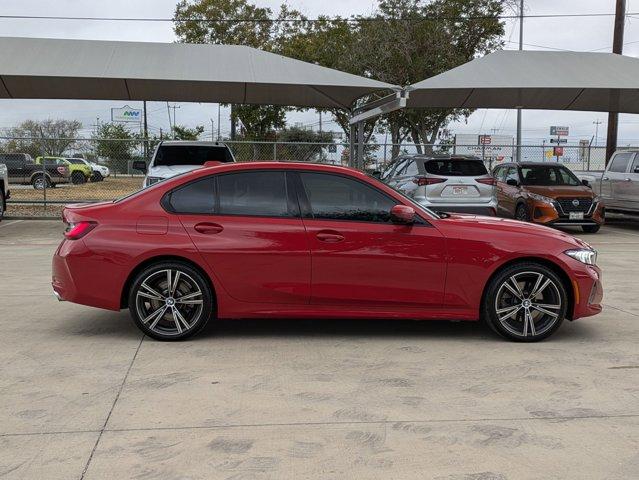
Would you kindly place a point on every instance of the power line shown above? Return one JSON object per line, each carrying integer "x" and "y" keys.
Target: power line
{"x": 308, "y": 20}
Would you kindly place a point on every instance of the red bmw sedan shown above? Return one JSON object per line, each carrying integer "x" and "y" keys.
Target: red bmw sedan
{"x": 315, "y": 241}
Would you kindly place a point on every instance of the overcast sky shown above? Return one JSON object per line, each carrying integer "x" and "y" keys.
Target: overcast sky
{"x": 579, "y": 34}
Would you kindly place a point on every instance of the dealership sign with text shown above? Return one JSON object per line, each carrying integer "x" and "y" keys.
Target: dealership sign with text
{"x": 126, "y": 114}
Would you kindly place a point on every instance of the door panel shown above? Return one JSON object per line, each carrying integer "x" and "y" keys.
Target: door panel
{"x": 629, "y": 193}
{"x": 613, "y": 183}
{"x": 359, "y": 257}
{"x": 377, "y": 264}
{"x": 258, "y": 260}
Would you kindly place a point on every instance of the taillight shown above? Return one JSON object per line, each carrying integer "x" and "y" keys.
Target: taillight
{"x": 421, "y": 181}
{"x": 486, "y": 181}
{"x": 78, "y": 230}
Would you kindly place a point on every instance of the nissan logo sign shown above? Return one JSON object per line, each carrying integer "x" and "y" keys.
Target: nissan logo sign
{"x": 575, "y": 203}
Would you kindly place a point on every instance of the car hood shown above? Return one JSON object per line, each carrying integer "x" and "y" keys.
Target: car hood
{"x": 496, "y": 224}
{"x": 561, "y": 191}
{"x": 167, "y": 171}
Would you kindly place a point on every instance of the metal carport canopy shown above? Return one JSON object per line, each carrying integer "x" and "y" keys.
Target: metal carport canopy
{"x": 535, "y": 80}
{"x": 106, "y": 70}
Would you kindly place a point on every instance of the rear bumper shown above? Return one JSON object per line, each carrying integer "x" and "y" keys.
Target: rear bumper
{"x": 74, "y": 279}
{"x": 484, "y": 208}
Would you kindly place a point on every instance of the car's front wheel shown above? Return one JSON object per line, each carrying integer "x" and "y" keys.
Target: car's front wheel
{"x": 525, "y": 302}
{"x": 170, "y": 301}
{"x": 521, "y": 213}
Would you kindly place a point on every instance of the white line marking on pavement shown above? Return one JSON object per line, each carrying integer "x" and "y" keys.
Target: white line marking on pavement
{"x": 10, "y": 223}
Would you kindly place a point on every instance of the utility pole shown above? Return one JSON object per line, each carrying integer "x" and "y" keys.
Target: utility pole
{"x": 232, "y": 122}
{"x": 168, "y": 110}
{"x": 521, "y": 47}
{"x": 218, "y": 122}
{"x": 597, "y": 123}
{"x": 617, "y": 47}
{"x": 212, "y": 130}
{"x": 146, "y": 133}
{"x": 174, "y": 122}
{"x": 320, "y": 122}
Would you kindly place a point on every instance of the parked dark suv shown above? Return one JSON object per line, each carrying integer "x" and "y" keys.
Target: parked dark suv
{"x": 22, "y": 169}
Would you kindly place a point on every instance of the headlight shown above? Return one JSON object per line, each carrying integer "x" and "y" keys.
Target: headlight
{"x": 584, "y": 255}
{"x": 541, "y": 198}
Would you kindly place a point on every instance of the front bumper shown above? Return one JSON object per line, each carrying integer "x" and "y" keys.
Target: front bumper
{"x": 587, "y": 291}
{"x": 548, "y": 214}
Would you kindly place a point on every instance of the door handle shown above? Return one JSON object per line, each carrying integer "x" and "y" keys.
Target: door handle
{"x": 208, "y": 228}
{"x": 329, "y": 236}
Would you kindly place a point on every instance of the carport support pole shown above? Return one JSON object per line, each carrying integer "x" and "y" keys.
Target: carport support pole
{"x": 360, "y": 146}
{"x": 352, "y": 150}
{"x": 617, "y": 47}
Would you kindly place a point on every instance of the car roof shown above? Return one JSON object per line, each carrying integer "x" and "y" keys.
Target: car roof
{"x": 192, "y": 143}
{"x": 439, "y": 156}
{"x": 531, "y": 164}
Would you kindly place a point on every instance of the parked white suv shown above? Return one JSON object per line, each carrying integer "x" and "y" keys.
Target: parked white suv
{"x": 4, "y": 189}
{"x": 176, "y": 156}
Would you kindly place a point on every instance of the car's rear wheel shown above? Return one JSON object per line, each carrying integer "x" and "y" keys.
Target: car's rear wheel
{"x": 525, "y": 302}
{"x": 170, "y": 301}
{"x": 521, "y": 213}
{"x": 591, "y": 228}
{"x": 78, "y": 178}
{"x": 40, "y": 182}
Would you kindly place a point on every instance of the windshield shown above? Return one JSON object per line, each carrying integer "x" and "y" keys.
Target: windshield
{"x": 169, "y": 155}
{"x": 548, "y": 175}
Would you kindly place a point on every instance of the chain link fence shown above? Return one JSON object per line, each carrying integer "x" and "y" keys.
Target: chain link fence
{"x": 49, "y": 198}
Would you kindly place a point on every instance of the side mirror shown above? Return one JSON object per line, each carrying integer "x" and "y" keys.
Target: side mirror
{"x": 636, "y": 169}
{"x": 376, "y": 173}
{"x": 512, "y": 182}
{"x": 402, "y": 214}
{"x": 139, "y": 165}
{"x": 585, "y": 182}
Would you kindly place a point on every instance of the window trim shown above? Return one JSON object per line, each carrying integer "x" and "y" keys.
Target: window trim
{"x": 291, "y": 200}
{"x": 631, "y": 160}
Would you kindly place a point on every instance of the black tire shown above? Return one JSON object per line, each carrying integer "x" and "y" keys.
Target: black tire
{"x": 3, "y": 203}
{"x": 40, "y": 182}
{"x": 521, "y": 213}
{"x": 516, "y": 317}
{"x": 97, "y": 177}
{"x": 590, "y": 228}
{"x": 165, "y": 324}
{"x": 78, "y": 178}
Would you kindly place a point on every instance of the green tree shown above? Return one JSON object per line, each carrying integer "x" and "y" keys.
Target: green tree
{"x": 257, "y": 33}
{"x": 45, "y": 137}
{"x": 302, "y": 145}
{"x": 116, "y": 144}
{"x": 180, "y": 132}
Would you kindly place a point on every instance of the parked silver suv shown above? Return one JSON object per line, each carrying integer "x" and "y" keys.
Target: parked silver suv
{"x": 444, "y": 183}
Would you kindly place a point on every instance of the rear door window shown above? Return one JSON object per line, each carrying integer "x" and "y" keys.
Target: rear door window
{"x": 253, "y": 193}
{"x": 456, "y": 168}
{"x": 620, "y": 162}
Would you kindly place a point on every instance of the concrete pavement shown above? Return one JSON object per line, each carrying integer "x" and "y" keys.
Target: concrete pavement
{"x": 84, "y": 395}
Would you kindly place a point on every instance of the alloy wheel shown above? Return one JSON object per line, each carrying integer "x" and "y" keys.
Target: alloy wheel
{"x": 169, "y": 302}
{"x": 528, "y": 304}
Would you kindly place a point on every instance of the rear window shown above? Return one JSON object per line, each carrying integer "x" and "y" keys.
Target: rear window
{"x": 191, "y": 155}
{"x": 456, "y": 168}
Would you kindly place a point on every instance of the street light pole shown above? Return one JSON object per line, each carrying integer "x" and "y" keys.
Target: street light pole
{"x": 597, "y": 123}
{"x": 521, "y": 47}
